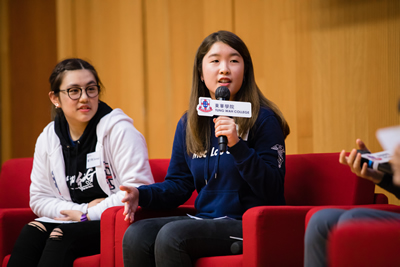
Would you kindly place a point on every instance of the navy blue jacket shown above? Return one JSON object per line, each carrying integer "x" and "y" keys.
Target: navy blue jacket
{"x": 250, "y": 174}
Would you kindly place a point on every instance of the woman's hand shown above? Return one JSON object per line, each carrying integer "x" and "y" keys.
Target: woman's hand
{"x": 95, "y": 202}
{"x": 226, "y": 126}
{"x": 131, "y": 200}
{"x": 75, "y": 215}
{"x": 354, "y": 162}
{"x": 70, "y": 215}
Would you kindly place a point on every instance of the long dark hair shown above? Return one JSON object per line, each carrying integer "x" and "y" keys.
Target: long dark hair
{"x": 58, "y": 73}
{"x": 198, "y": 128}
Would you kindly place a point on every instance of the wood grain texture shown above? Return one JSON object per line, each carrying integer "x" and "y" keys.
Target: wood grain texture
{"x": 31, "y": 55}
{"x": 5, "y": 111}
{"x": 331, "y": 66}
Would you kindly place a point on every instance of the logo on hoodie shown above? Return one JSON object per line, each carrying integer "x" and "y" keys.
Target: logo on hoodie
{"x": 109, "y": 176}
{"x": 83, "y": 182}
{"x": 281, "y": 150}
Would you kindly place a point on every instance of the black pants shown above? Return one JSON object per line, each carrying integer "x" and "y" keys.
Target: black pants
{"x": 177, "y": 241}
{"x": 34, "y": 247}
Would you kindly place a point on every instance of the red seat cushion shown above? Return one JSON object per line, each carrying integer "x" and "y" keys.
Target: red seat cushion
{"x": 220, "y": 261}
{"x": 89, "y": 261}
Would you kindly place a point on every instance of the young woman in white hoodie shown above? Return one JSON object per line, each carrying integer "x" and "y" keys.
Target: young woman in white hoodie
{"x": 81, "y": 158}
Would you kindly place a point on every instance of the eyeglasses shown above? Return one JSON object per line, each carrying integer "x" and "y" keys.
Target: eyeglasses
{"x": 76, "y": 92}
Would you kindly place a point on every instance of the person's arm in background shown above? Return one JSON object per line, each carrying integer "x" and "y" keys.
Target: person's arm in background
{"x": 354, "y": 162}
{"x": 385, "y": 181}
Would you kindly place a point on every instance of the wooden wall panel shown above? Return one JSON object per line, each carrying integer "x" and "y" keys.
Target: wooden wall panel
{"x": 216, "y": 15}
{"x": 144, "y": 53}
{"x": 268, "y": 29}
{"x": 31, "y": 58}
{"x": 5, "y": 107}
{"x": 174, "y": 30}
{"x": 331, "y": 66}
{"x": 110, "y": 35}
{"x": 170, "y": 49}
{"x": 312, "y": 58}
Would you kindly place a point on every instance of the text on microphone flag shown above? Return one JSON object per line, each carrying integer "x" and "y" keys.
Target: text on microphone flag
{"x": 210, "y": 107}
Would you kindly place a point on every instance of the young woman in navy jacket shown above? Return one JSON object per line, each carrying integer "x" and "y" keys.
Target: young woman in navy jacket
{"x": 251, "y": 173}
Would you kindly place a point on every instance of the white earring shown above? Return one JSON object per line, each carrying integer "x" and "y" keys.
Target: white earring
{"x": 56, "y": 104}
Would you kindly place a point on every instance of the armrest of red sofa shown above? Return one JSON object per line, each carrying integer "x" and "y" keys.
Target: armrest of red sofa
{"x": 272, "y": 235}
{"x": 12, "y": 221}
{"x": 113, "y": 227}
{"x": 107, "y": 235}
{"x": 363, "y": 244}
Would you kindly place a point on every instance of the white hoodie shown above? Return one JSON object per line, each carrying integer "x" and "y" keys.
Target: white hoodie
{"x": 124, "y": 160}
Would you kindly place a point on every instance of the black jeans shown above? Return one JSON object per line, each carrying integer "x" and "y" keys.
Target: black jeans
{"x": 34, "y": 247}
{"x": 177, "y": 241}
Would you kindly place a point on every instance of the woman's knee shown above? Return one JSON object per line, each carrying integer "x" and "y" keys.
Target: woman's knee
{"x": 325, "y": 218}
{"x": 176, "y": 234}
{"x": 134, "y": 234}
{"x": 168, "y": 234}
{"x": 170, "y": 239}
{"x": 358, "y": 214}
{"x": 321, "y": 223}
{"x": 56, "y": 234}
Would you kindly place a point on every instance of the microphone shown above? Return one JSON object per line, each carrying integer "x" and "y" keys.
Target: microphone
{"x": 378, "y": 166}
{"x": 222, "y": 93}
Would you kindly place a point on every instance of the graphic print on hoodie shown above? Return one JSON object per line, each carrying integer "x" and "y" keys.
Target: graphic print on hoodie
{"x": 82, "y": 182}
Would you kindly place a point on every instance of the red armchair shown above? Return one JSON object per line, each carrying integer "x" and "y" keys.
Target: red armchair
{"x": 364, "y": 243}
{"x": 14, "y": 202}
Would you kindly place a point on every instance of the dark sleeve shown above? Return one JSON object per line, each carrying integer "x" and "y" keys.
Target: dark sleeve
{"x": 387, "y": 184}
{"x": 178, "y": 185}
{"x": 261, "y": 160}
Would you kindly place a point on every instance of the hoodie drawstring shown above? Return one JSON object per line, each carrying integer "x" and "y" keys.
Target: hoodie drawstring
{"x": 217, "y": 165}
{"x": 206, "y": 164}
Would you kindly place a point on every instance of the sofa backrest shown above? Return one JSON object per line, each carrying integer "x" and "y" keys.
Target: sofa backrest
{"x": 319, "y": 179}
{"x": 159, "y": 168}
{"x": 311, "y": 179}
{"x": 15, "y": 179}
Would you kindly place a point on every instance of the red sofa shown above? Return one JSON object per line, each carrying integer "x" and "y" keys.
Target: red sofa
{"x": 271, "y": 233}
{"x": 364, "y": 243}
